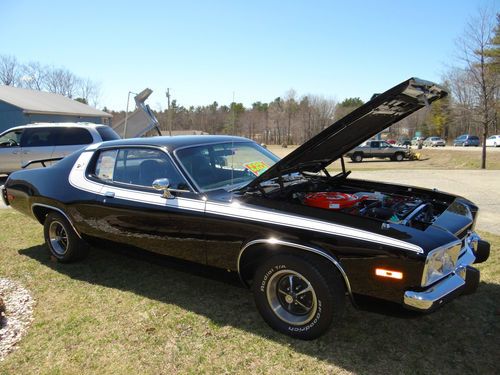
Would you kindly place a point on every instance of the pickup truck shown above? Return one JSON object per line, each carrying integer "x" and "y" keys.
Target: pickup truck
{"x": 378, "y": 149}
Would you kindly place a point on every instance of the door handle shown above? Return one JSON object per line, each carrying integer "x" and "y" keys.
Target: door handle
{"x": 109, "y": 194}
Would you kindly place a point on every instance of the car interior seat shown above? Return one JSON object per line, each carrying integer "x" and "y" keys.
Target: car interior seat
{"x": 150, "y": 170}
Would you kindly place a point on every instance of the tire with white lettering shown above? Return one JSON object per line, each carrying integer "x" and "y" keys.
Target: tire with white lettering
{"x": 299, "y": 296}
{"x": 62, "y": 240}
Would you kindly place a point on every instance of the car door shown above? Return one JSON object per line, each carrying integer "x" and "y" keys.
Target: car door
{"x": 10, "y": 151}
{"x": 37, "y": 143}
{"x": 70, "y": 139}
{"x": 375, "y": 149}
{"x": 131, "y": 212}
{"x": 385, "y": 149}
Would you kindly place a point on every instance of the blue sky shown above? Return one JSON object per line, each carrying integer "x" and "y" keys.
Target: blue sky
{"x": 206, "y": 50}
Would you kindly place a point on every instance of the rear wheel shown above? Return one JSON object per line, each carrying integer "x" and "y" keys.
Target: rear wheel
{"x": 298, "y": 296}
{"x": 61, "y": 239}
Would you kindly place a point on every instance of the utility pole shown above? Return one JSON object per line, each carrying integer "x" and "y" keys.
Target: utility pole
{"x": 169, "y": 117}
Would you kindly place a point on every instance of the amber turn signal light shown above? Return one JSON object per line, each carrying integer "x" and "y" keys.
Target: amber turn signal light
{"x": 388, "y": 273}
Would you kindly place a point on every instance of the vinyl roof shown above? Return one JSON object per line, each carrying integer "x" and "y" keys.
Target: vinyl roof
{"x": 171, "y": 143}
{"x": 41, "y": 102}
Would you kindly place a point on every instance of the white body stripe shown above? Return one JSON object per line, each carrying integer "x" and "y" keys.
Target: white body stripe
{"x": 301, "y": 222}
{"x": 78, "y": 180}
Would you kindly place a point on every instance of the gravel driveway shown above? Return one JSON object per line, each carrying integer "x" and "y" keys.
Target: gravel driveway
{"x": 480, "y": 186}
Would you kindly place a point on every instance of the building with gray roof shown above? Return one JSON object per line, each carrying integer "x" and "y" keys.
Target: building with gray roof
{"x": 22, "y": 106}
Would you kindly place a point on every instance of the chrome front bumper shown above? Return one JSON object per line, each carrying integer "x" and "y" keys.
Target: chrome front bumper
{"x": 448, "y": 287}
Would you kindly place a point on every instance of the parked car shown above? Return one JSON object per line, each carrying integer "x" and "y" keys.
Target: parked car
{"x": 493, "y": 141}
{"x": 301, "y": 238}
{"x": 434, "y": 142}
{"x": 377, "y": 149}
{"x": 466, "y": 140}
{"x": 416, "y": 140}
{"x": 403, "y": 142}
{"x": 22, "y": 144}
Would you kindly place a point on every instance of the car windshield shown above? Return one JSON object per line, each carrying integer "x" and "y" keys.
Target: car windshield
{"x": 225, "y": 165}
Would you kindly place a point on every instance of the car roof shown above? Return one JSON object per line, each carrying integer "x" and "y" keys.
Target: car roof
{"x": 56, "y": 125}
{"x": 174, "y": 142}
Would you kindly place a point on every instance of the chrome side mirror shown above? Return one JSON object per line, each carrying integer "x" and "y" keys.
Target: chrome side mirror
{"x": 162, "y": 184}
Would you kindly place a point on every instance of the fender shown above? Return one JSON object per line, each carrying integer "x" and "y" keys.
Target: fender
{"x": 55, "y": 209}
{"x": 273, "y": 241}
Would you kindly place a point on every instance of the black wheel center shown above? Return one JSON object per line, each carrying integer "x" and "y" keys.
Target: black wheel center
{"x": 294, "y": 295}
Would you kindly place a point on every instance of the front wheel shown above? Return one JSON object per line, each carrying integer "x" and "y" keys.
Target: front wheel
{"x": 357, "y": 158}
{"x": 62, "y": 240}
{"x": 298, "y": 296}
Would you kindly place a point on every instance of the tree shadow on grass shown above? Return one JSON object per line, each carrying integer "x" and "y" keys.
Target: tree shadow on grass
{"x": 377, "y": 338}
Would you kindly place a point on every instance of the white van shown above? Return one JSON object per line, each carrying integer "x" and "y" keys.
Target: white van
{"x": 22, "y": 144}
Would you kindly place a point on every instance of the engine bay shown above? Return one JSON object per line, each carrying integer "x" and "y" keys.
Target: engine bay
{"x": 408, "y": 208}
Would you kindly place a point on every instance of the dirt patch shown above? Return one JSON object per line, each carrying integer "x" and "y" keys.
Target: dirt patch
{"x": 17, "y": 317}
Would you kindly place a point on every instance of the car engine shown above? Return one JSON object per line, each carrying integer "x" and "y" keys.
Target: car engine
{"x": 397, "y": 208}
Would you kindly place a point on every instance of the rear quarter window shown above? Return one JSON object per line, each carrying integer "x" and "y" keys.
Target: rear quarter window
{"x": 107, "y": 134}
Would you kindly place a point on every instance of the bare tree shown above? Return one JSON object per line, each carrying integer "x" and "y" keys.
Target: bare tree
{"x": 473, "y": 46}
{"x": 34, "y": 76}
{"x": 88, "y": 90}
{"x": 62, "y": 81}
{"x": 460, "y": 83}
{"x": 9, "y": 70}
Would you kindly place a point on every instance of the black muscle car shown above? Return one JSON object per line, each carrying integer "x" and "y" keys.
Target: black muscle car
{"x": 301, "y": 238}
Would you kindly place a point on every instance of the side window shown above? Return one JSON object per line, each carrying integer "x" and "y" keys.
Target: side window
{"x": 375, "y": 144}
{"x": 69, "y": 136}
{"x": 11, "y": 139}
{"x": 105, "y": 165}
{"x": 38, "y": 137}
{"x": 138, "y": 166}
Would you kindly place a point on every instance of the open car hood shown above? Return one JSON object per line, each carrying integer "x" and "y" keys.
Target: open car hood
{"x": 379, "y": 113}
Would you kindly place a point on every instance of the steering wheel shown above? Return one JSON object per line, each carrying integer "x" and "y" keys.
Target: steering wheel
{"x": 12, "y": 142}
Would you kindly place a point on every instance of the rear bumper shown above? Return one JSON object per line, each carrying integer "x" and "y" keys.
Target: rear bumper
{"x": 464, "y": 279}
{"x": 3, "y": 193}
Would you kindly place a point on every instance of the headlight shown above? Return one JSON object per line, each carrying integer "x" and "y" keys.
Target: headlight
{"x": 441, "y": 262}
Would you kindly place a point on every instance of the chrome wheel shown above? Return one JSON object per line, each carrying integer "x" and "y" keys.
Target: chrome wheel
{"x": 58, "y": 238}
{"x": 291, "y": 297}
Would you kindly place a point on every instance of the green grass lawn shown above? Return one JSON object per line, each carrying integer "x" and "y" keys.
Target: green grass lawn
{"x": 120, "y": 314}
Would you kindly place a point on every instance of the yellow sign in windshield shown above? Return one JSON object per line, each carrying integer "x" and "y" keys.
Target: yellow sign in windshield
{"x": 256, "y": 167}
